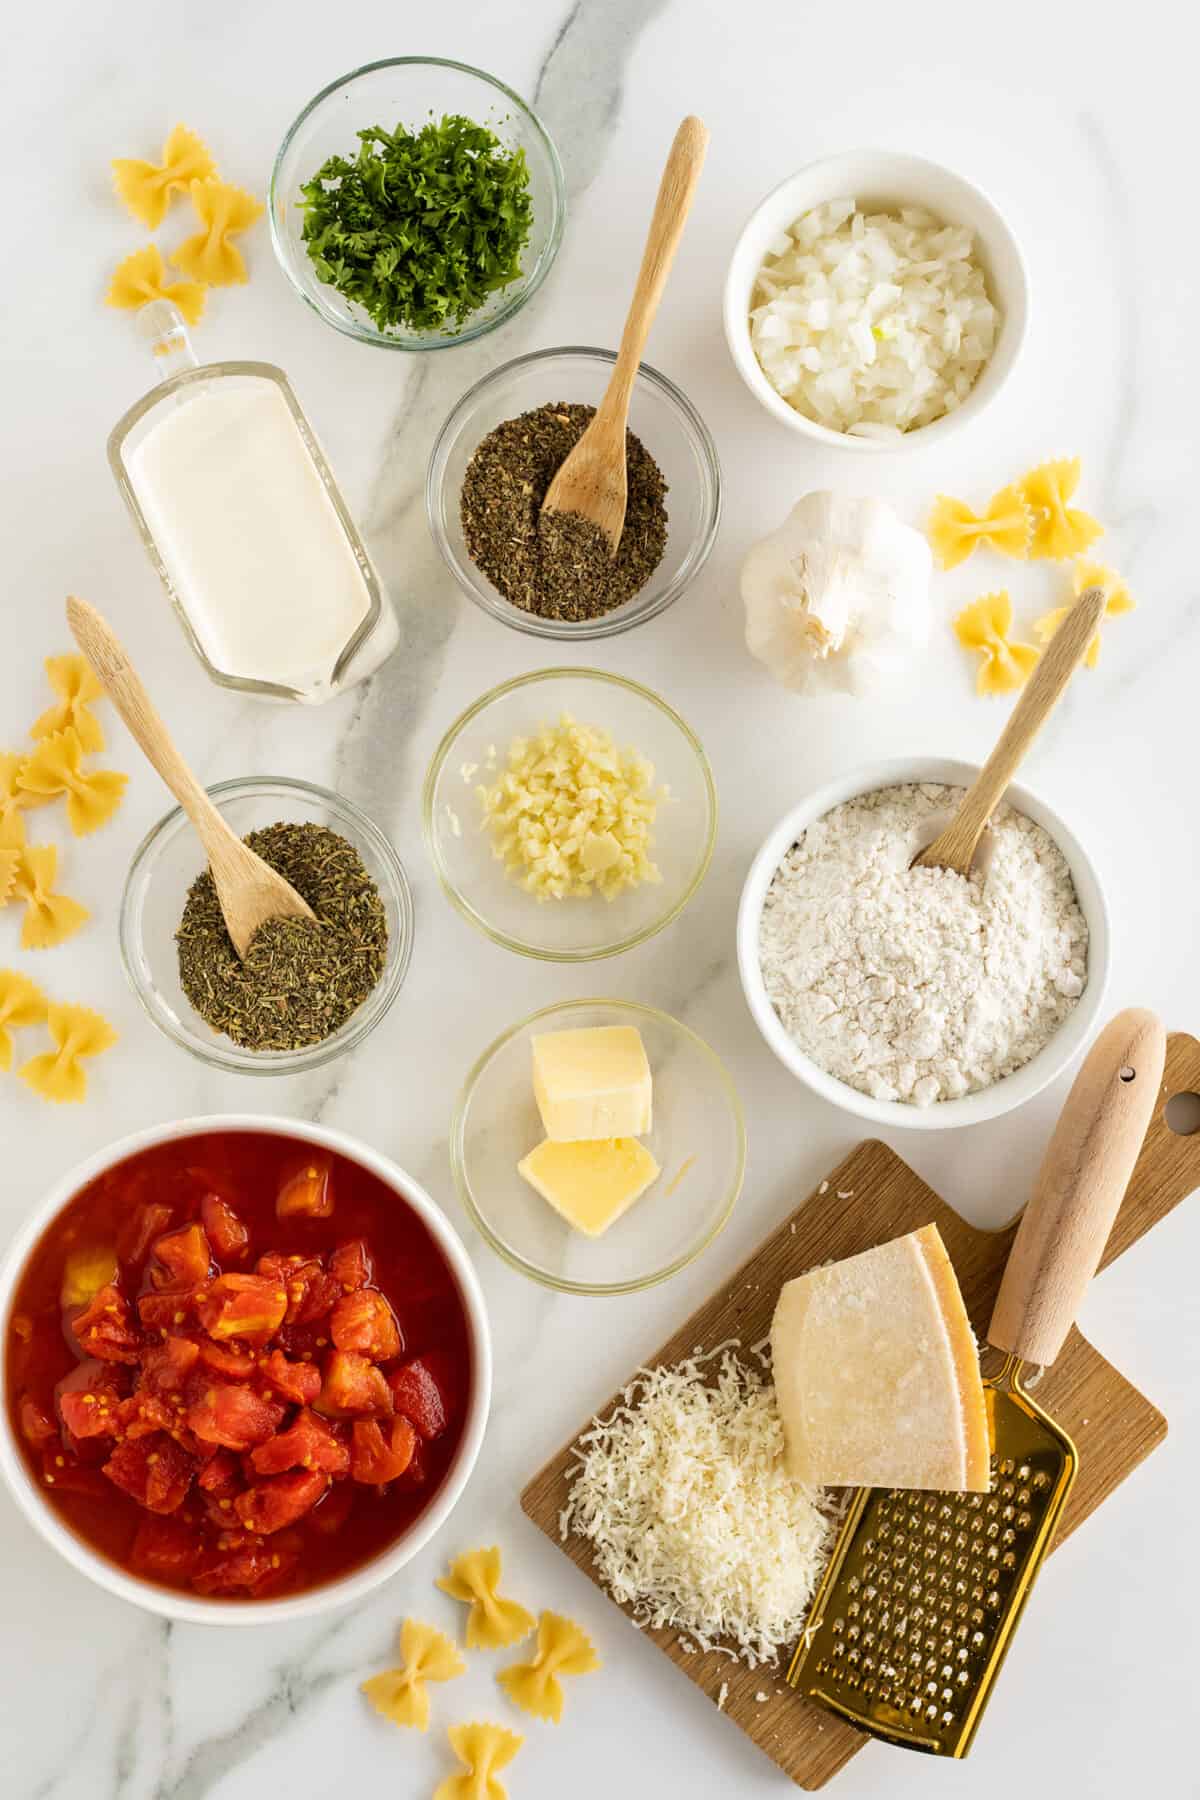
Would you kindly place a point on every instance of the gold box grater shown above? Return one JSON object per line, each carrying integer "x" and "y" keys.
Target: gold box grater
{"x": 914, "y": 1614}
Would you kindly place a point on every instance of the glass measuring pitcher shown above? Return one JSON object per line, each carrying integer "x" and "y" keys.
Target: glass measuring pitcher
{"x": 244, "y": 522}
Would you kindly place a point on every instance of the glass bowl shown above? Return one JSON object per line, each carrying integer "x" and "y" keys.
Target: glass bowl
{"x": 659, "y": 414}
{"x": 167, "y": 862}
{"x": 475, "y": 882}
{"x": 407, "y": 90}
{"x": 698, "y": 1141}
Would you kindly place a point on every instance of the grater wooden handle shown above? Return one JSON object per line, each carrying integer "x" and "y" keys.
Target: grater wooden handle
{"x": 1079, "y": 1188}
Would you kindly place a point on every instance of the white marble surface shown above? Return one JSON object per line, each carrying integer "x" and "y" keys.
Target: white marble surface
{"x": 1081, "y": 132}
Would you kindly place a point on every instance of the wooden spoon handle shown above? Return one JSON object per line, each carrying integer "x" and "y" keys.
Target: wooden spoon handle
{"x": 1079, "y": 1188}
{"x": 671, "y": 208}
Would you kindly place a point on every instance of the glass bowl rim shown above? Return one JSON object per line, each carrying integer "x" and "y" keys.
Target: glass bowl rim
{"x": 360, "y": 1024}
{"x": 413, "y": 344}
{"x": 560, "y": 1283}
{"x": 459, "y": 901}
{"x": 609, "y": 624}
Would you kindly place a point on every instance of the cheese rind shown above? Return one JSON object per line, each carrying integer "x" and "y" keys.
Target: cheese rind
{"x": 592, "y": 1083}
{"x": 591, "y": 1184}
{"x": 877, "y": 1374}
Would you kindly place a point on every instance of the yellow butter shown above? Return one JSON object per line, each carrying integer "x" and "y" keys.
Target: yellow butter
{"x": 591, "y": 1184}
{"x": 592, "y": 1083}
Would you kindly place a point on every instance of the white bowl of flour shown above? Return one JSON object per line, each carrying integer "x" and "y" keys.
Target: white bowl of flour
{"x": 915, "y": 999}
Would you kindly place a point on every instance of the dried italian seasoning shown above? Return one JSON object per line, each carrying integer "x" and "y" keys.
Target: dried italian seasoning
{"x": 557, "y": 565}
{"x": 300, "y": 979}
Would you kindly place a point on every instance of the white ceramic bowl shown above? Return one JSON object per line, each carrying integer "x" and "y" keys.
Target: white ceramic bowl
{"x": 194, "y": 1609}
{"x": 881, "y": 179}
{"x": 1002, "y": 1096}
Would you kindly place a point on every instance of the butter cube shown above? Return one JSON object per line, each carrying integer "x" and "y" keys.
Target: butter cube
{"x": 592, "y": 1083}
{"x": 590, "y": 1183}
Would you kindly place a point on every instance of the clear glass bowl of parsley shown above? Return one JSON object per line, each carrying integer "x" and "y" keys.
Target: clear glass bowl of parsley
{"x": 417, "y": 203}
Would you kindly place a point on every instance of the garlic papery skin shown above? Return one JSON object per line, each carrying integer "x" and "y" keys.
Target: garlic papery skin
{"x": 837, "y": 600}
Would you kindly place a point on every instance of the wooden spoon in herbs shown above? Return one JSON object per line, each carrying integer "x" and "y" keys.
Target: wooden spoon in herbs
{"x": 250, "y": 891}
{"x": 591, "y": 484}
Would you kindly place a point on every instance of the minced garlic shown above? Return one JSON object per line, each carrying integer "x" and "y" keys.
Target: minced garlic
{"x": 571, "y": 815}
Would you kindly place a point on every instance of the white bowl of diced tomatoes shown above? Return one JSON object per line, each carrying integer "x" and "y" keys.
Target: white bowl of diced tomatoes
{"x": 246, "y": 1369}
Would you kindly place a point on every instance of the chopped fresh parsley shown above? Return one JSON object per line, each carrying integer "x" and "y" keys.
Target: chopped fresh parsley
{"x": 421, "y": 226}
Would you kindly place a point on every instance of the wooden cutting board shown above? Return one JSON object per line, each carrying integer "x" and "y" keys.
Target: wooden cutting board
{"x": 871, "y": 1197}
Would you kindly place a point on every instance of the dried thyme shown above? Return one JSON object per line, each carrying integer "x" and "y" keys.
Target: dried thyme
{"x": 300, "y": 979}
{"x": 557, "y": 565}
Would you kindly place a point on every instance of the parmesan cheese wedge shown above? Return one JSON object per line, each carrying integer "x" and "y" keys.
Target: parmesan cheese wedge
{"x": 877, "y": 1373}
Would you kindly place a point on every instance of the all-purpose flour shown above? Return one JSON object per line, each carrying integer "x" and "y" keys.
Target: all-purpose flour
{"x": 914, "y": 984}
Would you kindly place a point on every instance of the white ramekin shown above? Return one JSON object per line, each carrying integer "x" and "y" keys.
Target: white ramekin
{"x": 880, "y": 179}
{"x": 194, "y": 1609}
{"x": 1002, "y": 1096}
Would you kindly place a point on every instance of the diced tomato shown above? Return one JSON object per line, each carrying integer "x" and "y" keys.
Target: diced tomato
{"x": 353, "y": 1386}
{"x": 165, "y": 1549}
{"x": 166, "y": 1366}
{"x": 143, "y": 1414}
{"x": 280, "y": 1500}
{"x": 331, "y": 1513}
{"x": 104, "y": 1329}
{"x": 308, "y": 1443}
{"x": 363, "y": 1320}
{"x": 154, "y": 1470}
{"x": 242, "y": 1306}
{"x": 299, "y": 1381}
{"x": 67, "y": 1475}
{"x": 233, "y": 1416}
{"x": 236, "y": 1564}
{"x": 140, "y": 1231}
{"x": 36, "y": 1427}
{"x": 90, "y": 1415}
{"x": 418, "y": 1394}
{"x": 221, "y": 1476}
{"x": 167, "y": 1311}
{"x": 226, "y": 1233}
{"x": 227, "y": 1359}
{"x": 306, "y": 1191}
{"x": 185, "y": 1257}
{"x": 376, "y": 1458}
{"x": 350, "y": 1265}
{"x": 311, "y": 1290}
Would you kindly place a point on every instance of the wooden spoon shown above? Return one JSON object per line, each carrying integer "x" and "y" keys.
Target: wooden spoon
{"x": 249, "y": 890}
{"x": 592, "y": 480}
{"x": 955, "y": 847}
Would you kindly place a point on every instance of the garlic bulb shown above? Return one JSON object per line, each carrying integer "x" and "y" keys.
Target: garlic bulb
{"x": 837, "y": 600}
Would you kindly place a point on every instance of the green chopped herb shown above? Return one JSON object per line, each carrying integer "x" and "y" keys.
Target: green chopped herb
{"x": 421, "y": 226}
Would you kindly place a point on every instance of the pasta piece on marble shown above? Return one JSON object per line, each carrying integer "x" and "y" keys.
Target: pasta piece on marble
{"x": 493, "y": 1623}
{"x": 984, "y": 626}
{"x": 10, "y": 862}
{"x": 954, "y": 530}
{"x": 482, "y": 1749}
{"x": 50, "y": 918}
{"x": 224, "y": 212}
{"x": 425, "y": 1655}
{"x": 1117, "y": 600}
{"x": 56, "y": 767}
{"x": 77, "y": 1032}
{"x": 14, "y": 799}
{"x": 77, "y": 686}
{"x": 143, "y": 276}
{"x": 22, "y": 1003}
{"x": 1059, "y": 530}
{"x": 563, "y": 1648}
{"x": 146, "y": 187}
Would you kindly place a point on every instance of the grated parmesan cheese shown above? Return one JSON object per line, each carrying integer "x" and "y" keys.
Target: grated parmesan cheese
{"x": 692, "y": 1520}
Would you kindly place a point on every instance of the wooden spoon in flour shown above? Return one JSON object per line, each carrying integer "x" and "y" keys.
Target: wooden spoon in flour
{"x": 249, "y": 890}
{"x": 955, "y": 847}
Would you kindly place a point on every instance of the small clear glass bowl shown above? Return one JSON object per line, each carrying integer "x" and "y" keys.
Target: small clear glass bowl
{"x": 168, "y": 861}
{"x": 659, "y": 414}
{"x": 698, "y": 1140}
{"x": 474, "y": 752}
{"x": 407, "y": 90}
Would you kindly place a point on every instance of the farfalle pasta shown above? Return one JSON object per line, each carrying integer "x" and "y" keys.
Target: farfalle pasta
{"x": 224, "y": 212}
{"x": 146, "y": 187}
{"x": 425, "y": 1655}
{"x": 143, "y": 276}
{"x": 985, "y": 626}
{"x": 77, "y": 1032}
{"x": 50, "y": 918}
{"x": 563, "y": 1648}
{"x": 10, "y": 862}
{"x": 56, "y": 767}
{"x": 493, "y": 1623}
{"x": 22, "y": 1003}
{"x": 1059, "y": 530}
{"x": 1117, "y": 600}
{"x": 482, "y": 1749}
{"x": 77, "y": 686}
{"x": 955, "y": 531}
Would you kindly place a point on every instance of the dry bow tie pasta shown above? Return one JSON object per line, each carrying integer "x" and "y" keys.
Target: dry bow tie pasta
{"x": 224, "y": 212}
{"x": 77, "y": 1033}
{"x": 22, "y": 1003}
{"x": 146, "y": 187}
{"x": 56, "y": 767}
{"x": 985, "y": 626}
{"x": 562, "y": 1649}
{"x": 50, "y": 918}
{"x": 954, "y": 531}
{"x": 77, "y": 686}
{"x": 493, "y": 1623}
{"x": 482, "y": 1749}
{"x": 426, "y": 1655}
{"x": 1117, "y": 600}
{"x": 143, "y": 277}
{"x": 1059, "y": 530}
